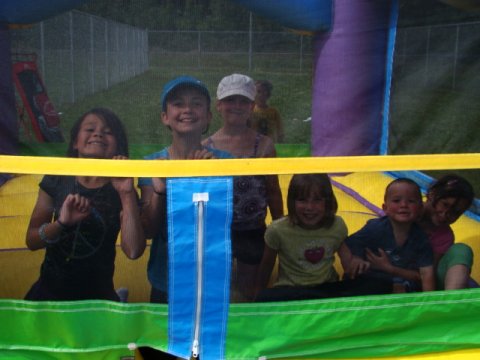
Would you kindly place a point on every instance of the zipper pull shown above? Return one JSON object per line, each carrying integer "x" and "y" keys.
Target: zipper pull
{"x": 195, "y": 349}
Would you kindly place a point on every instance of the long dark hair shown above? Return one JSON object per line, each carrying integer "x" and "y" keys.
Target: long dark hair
{"x": 451, "y": 185}
{"x": 111, "y": 120}
{"x": 302, "y": 185}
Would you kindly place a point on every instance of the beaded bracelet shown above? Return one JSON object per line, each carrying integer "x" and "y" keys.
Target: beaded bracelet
{"x": 44, "y": 237}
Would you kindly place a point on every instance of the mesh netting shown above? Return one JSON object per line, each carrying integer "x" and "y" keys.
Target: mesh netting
{"x": 74, "y": 62}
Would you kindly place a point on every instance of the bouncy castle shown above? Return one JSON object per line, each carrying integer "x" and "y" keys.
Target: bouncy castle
{"x": 354, "y": 44}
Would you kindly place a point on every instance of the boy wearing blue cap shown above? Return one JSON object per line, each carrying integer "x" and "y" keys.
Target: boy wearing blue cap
{"x": 186, "y": 112}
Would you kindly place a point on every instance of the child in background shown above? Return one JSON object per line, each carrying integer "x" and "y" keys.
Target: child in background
{"x": 77, "y": 218}
{"x": 306, "y": 242}
{"x": 252, "y": 194}
{"x": 447, "y": 199}
{"x": 186, "y": 112}
{"x": 266, "y": 119}
{"x": 394, "y": 247}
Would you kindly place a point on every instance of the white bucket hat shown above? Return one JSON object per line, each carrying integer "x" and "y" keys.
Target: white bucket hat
{"x": 236, "y": 84}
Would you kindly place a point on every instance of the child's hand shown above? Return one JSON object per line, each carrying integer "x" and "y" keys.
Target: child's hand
{"x": 379, "y": 262}
{"x": 122, "y": 184}
{"x": 202, "y": 154}
{"x": 75, "y": 208}
{"x": 159, "y": 184}
{"x": 357, "y": 266}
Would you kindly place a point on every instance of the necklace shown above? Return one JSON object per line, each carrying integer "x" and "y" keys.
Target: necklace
{"x": 87, "y": 236}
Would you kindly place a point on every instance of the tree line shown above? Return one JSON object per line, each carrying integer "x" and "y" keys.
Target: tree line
{"x": 218, "y": 15}
{"x": 179, "y": 14}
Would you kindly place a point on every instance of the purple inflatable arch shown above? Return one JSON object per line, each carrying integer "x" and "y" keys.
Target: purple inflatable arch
{"x": 349, "y": 69}
{"x": 349, "y": 79}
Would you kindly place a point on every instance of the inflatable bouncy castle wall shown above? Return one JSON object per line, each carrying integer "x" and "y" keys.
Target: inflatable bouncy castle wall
{"x": 354, "y": 44}
{"x": 363, "y": 119}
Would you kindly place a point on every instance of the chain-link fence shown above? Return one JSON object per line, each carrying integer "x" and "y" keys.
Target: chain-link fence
{"x": 438, "y": 55}
{"x": 79, "y": 54}
{"x": 436, "y": 84}
{"x": 241, "y": 50}
{"x": 442, "y": 56}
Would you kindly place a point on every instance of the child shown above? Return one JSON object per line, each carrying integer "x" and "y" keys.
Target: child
{"x": 305, "y": 241}
{"x": 252, "y": 194}
{"x": 186, "y": 112}
{"x": 78, "y": 218}
{"x": 394, "y": 247}
{"x": 447, "y": 199}
{"x": 266, "y": 119}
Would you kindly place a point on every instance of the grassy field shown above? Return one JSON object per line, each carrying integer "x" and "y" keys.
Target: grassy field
{"x": 423, "y": 119}
{"x": 137, "y": 102}
{"x": 433, "y": 117}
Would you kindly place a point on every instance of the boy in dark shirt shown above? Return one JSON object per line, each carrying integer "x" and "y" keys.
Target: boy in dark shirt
{"x": 394, "y": 246}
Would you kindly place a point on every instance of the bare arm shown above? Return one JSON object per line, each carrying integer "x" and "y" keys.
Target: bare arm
{"x": 427, "y": 276}
{"x": 265, "y": 269}
{"x": 133, "y": 240}
{"x": 352, "y": 265}
{"x": 74, "y": 209}
{"x": 42, "y": 213}
{"x": 436, "y": 259}
{"x": 274, "y": 194}
{"x": 382, "y": 263}
{"x": 153, "y": 210}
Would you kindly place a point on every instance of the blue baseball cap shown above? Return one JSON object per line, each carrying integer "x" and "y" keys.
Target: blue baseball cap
{"x": 182, "y": 81}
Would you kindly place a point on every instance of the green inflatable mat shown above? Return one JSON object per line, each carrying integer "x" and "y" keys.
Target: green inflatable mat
{"x": 357, "y": 327}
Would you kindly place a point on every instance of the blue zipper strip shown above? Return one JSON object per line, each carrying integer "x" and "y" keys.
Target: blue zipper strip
{"x": 182, "y": 214}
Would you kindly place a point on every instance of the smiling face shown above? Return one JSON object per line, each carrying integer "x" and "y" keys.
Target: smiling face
{"x": 403, "y": 203}
{"x": 95, "y": 139}
{"x": 187, "y": 112}
{"x": 235, "y": 110}
{"x": 445, "y": 211}
{"x": 311, "y": 202}
{"x": 310, "y": 210}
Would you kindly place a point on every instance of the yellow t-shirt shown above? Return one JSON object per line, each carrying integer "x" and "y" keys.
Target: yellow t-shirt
{"x": 306, "y": 257}
{"x": 268, "y": 122}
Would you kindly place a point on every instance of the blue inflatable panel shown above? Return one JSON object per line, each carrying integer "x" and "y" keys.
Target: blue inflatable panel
{"x": 199, "y": 212}
{"x": 31, "y": 11}
{"x": 306, "y": 15}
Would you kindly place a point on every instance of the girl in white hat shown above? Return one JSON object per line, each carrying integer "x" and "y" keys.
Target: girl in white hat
{"x": 252, "y": 194}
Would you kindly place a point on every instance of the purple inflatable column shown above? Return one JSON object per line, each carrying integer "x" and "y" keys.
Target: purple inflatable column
{"x": 8, "y": 112}
{"x": 349, "y": 77}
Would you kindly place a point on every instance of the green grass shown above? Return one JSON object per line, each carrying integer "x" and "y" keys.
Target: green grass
{"x": 433, "y": 118}
{"x": 137, "y": 151}
{"x": 424, "y": 119}
{"x": 137, "y": 102}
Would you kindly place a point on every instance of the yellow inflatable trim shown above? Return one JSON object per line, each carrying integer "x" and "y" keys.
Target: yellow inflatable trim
{"x": 186, "y": 168}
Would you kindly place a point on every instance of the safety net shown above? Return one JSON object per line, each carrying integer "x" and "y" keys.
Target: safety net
{"x": 135, "y": 257}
